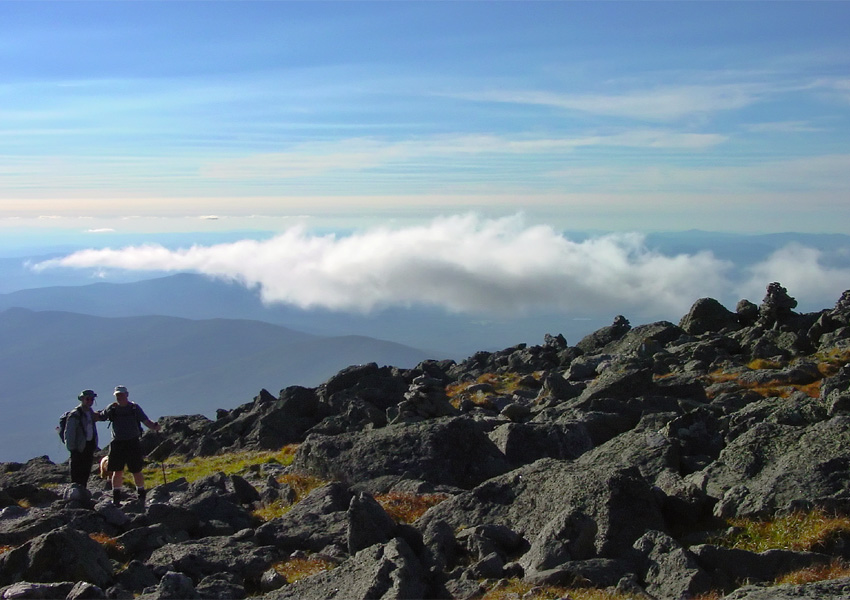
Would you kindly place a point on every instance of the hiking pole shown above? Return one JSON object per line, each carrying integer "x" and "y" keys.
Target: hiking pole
{"x": 162, "y": 464}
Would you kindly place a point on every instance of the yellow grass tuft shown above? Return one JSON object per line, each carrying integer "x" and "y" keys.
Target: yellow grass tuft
{"x": 503, "y": 383}
{"x": 302, "y": 484}
{"x": 833, "y": 570}
{"x": 514, "y": 589}
{"x": 294, "y": 569}
{"x": 228, "y": 463}
{"x": 406, "y": 508}
{"x": 794, "y": 531}
{"x": 109, "y": 543}
{"x": 5, "y": 549}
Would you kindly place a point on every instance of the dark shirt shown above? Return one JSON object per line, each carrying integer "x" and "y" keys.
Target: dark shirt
{"x": 126, "y": 420}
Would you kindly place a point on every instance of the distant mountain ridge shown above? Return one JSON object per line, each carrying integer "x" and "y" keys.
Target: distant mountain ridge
{"x": 192, "y": 296}
{"x": 170, "y": 364}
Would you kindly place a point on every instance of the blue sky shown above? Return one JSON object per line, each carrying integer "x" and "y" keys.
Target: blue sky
{"x": 582, "y": 115}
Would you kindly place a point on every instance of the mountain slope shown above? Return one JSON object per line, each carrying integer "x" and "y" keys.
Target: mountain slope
{"x": 171, "y": 365}
{"x": 194, "y": 296}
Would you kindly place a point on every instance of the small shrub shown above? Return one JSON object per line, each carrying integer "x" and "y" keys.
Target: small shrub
{"x": 406, "y": 508}
{"x": 109, "y": 543}
{"x": 5, "y": 549}
{"x": 297, "y": 568}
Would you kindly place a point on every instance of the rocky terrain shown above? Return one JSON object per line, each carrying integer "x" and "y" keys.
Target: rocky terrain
{"x": 617, "y": 463}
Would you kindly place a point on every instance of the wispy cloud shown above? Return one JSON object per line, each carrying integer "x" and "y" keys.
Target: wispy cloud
{"x": 355, "y": 154}
{"x": 824, "y": 172}
{"x": 667, "y": 103}
{"x": 783, "y": 127}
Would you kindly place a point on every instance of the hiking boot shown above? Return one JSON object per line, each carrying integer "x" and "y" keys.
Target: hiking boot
{"x": 116, "y": 497}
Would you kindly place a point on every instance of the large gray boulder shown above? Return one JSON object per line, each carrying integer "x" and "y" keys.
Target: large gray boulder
{"x": 216, "y": 503}
{"x": 771, "y": 466}
{"x": 669, "y": 569}
{"x": 64, "y": 554}
{"x": 730, "y": 566}
{"x": 569, "y": 536}
{"x": 451, "y": 451}
{"x": 708, "y": 315}
{"x": 836, "y": 589}
{"x": 211, "y": 555}
{"x": 594, "y": 342}
{"x": 319, "y": 520}
{"x": 368, "y": 523}
{"x": 619, "y": 501}
{"x": 523, "y": 443}
{"x": 388, "y": 571}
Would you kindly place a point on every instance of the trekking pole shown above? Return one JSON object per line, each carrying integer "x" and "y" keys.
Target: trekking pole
{"x": 162, "y": 464}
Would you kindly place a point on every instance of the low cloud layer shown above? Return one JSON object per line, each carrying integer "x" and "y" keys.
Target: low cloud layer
{"x": 471, "y": 265}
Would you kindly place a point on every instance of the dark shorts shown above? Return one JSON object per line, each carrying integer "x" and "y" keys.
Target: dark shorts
{"x": 125, "y": 453}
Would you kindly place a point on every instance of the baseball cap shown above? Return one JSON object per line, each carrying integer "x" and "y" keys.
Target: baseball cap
{"x": 120, "y": 389}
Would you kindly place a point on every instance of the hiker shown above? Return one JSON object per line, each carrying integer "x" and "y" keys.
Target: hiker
{"x": 126, "y": 420}
{"x": 80, "y": 435}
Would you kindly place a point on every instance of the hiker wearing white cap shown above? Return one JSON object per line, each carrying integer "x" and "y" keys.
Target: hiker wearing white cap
{"x": 126, "y": 448}
{"x": 79, "y": 432}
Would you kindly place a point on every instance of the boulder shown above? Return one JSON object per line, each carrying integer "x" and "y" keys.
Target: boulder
{"x": 213, "y": 555}
{"x": 37, "y": 591}
{"x": 523, "y": 443}
{"x": 619, "y": 501}
{"x": 771, "y": 465}
{"x": 669, "y": 570}
{"x": 839, "y": 589}
{"x": 729, "y": 566}
{"x": 382, "y": 571}
{"x": 594, "y": 342}
{"x": 569, "y": 536}
{"x": 368, "y": 523}
{"x": 708, "y": 315}
{"x": 176, "y": 586}
{"x": 64, "y": 554}
{"x": 319, "y": 520}
{"x": 451, "y": 451}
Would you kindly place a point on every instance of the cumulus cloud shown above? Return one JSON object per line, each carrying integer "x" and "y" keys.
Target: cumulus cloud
{"x": 462, "y": 263}
{"x": 801, "y": 270}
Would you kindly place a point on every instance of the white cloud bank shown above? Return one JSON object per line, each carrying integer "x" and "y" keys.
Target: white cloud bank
{"x": 473, "y": 265}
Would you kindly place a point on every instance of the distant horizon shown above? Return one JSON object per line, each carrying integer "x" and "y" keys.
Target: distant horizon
{"x": 507, "y": 268}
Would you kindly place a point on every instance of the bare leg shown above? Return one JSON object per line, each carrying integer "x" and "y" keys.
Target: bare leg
{"x": 117, "y": 484}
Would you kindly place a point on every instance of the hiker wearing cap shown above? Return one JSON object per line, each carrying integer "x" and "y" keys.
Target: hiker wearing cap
{"x": 80, "y": 436}
{"x": 126, "y": 420}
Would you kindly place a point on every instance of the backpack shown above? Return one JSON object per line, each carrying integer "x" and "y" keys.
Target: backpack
{"x": 63, "y": 420}
{"x": 135, "y": 413}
